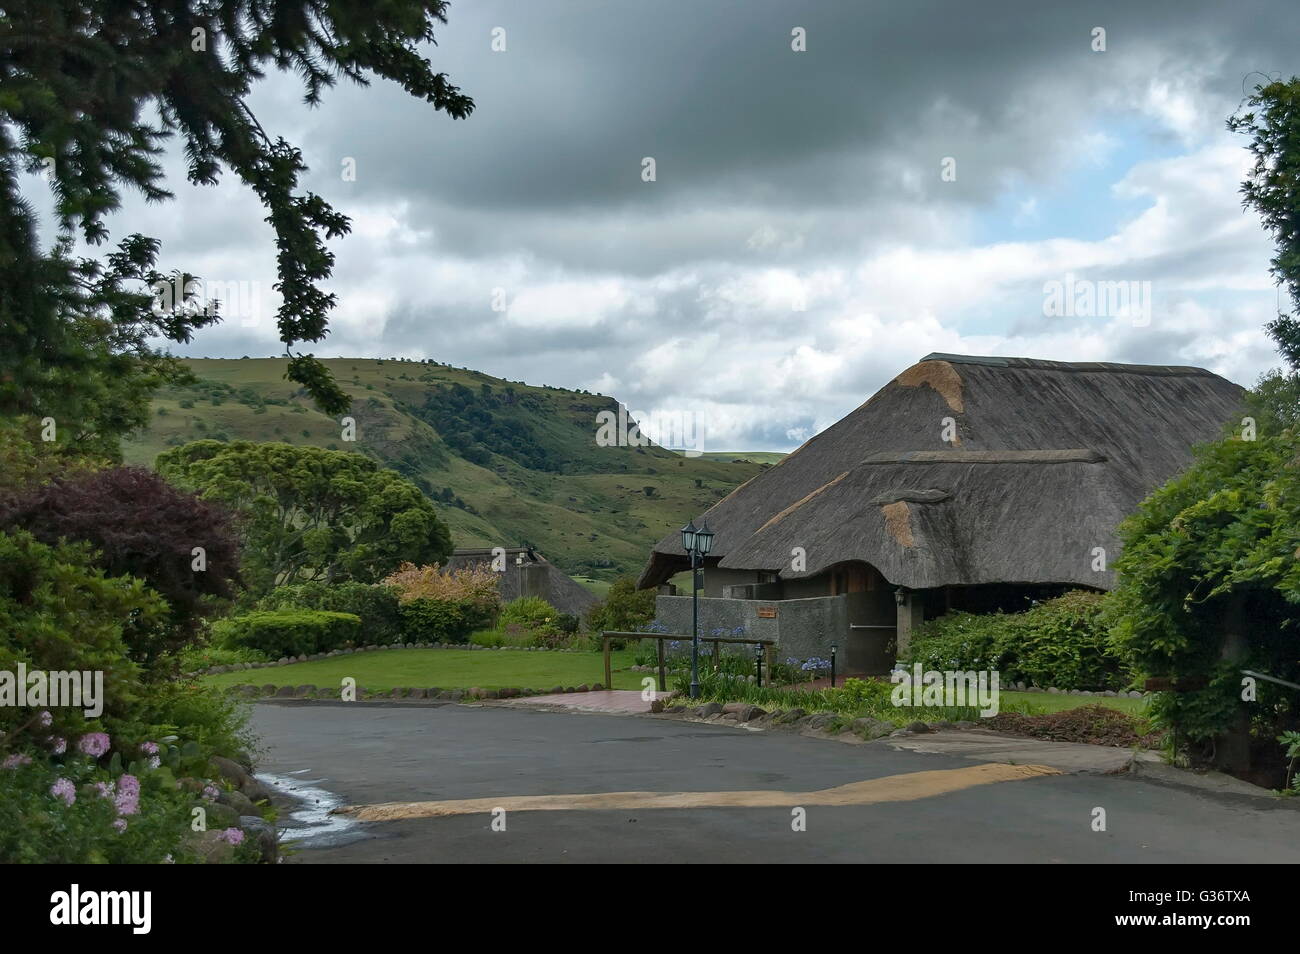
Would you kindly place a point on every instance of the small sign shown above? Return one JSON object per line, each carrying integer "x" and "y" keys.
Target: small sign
{"x": 767, "y": 612}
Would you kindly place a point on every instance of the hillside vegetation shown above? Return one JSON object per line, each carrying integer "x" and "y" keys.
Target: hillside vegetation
{"x": 508, "y": 463}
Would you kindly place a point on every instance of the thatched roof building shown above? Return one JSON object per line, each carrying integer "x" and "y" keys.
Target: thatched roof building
{"x": 1044, "y": 460}
{"x": 528, "y": 573}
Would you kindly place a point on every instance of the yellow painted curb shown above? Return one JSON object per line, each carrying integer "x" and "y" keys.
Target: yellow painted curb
{"x": 891, "y": 788}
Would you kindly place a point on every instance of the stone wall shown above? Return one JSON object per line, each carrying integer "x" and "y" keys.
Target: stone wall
{"x": 801, "y": 628}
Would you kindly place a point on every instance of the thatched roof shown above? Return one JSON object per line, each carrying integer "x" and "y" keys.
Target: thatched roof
{"x": 1050, "y": 456}
{"x": 559, "y": 589}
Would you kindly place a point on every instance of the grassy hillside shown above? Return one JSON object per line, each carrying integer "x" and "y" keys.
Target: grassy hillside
{"x": 510, "y": 463}
{"x": 753, "y": 457}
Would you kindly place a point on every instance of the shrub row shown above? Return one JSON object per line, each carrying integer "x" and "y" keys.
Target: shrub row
{"x": 289, "y": 632}
{"x": 385, "y": 617}
{"x": 1061, "y": 642}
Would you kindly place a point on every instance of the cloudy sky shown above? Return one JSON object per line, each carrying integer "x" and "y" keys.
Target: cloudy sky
{"x": 912, "y": 182}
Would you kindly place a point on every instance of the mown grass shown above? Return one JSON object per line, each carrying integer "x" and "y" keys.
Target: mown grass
{"x": 1043, "y": 702}
{"x": 444, "y": 668}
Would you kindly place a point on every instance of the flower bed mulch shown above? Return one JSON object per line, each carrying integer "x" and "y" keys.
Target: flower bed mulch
{"x": 1094, "y": 725}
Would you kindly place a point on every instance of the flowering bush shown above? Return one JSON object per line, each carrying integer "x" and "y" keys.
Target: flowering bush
{"x": 444, "y": 605}
{"x": 476, "y": 586}
{"x": 86, "y": 808}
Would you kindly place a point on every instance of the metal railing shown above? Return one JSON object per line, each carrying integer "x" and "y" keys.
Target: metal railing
{"x": 769, "y": 650}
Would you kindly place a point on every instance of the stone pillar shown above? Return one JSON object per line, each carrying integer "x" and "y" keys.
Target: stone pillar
{"x": 911, "y": 613}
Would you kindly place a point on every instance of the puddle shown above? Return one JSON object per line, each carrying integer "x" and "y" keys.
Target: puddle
{"x": 308, "y": 823}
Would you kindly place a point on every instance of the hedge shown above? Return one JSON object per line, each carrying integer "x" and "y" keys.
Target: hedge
{"x": 289, "y": 632}
{"x": 375, "y": 604}
{"x": 449, "y": 621}
{"x": 1061, "y": 642}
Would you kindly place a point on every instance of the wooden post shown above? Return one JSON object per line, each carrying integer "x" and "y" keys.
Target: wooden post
{"x": 604, "y": 645}
{"x": 663, "y": 684}
{"x": 1232, "y": 748}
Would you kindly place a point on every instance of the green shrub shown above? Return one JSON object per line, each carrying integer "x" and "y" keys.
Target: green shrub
{"x": 857, "y": 698}
{"x": 441, "y": 621}
{"x": 376, "y": 605}
{"x": 625, "y": 609}
{"x": 492, "y": 638}
{"x": 198, "y": 658}
{"x": 289, "y": 632}
{"x": 1065, "y": 643}
{"x": 208, "y": 718}
{"x": 1210, "y": 553}
{"x": 527, "y": 611}
{"x": 1062, "y": 642}
{"x": 58, "y": 612}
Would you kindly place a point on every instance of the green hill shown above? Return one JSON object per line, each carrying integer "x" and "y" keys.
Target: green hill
{"x": 750, "y": 457}
{"x": 510, "y": 463}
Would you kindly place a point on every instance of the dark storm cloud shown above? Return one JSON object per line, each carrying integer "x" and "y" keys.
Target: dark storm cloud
{"x": 773, "y": 169}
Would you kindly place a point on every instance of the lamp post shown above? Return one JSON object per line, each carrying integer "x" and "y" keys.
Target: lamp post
{"x": 697, "y": 542}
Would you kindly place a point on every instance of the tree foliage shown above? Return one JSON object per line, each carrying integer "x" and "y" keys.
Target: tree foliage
{"x": 90, "y": 93}
{"x": 625, "y": 609}
{"x": 1216, "y": 549}
{"x": 59, "y": 612}
{"x": 1271, "y": 117}
{"x": 143, "y": 527}
{"x": 312, "y": 514}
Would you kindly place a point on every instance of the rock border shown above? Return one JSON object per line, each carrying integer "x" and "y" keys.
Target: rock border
{"x": 1053, "y": 690}
{"x": 308, "y": 692}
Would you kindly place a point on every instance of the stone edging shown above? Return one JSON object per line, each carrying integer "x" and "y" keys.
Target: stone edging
{"x": 1107, "y": 693}
{"x": 270, "y": 691}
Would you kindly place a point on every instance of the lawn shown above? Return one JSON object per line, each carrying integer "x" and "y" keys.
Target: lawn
{"x": 1045, "y": 702}
{"x": 599, "y": 587}
{"x": 445, "y": 669}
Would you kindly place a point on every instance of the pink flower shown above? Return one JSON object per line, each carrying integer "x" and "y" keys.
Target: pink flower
{"x": 59, "y": 745}
{"x": 105, "y": 789}
{"x": 45, "y": 719}
{"x": 149, "y": 748}
{"x": 232, "y": 835}
{"x": 210, "y": 792}
{"x": 94, "y": 744}
{"x": 16, "y": 760}
{"x": 120, "y": 825}
{"x": 64, "y": 789}
{"x": 127, "y": 801}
